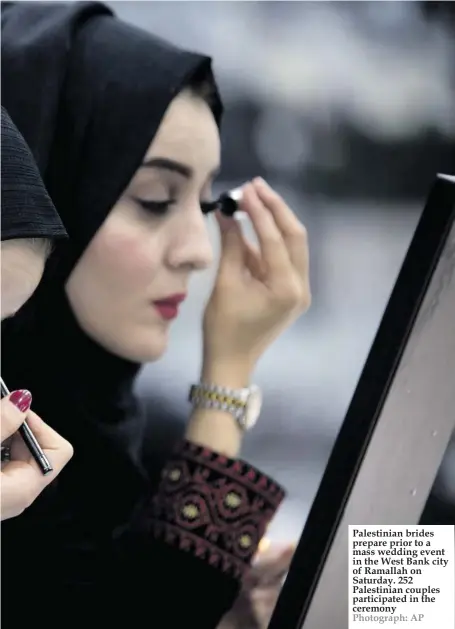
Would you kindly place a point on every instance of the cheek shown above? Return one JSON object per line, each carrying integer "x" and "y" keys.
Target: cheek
{"x": 17, "y": 286}
{"x": 124, "y": 257}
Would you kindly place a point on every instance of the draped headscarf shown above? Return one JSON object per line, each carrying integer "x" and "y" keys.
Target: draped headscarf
{"x": 26, "y": 210}
{"x": 88, "y": 92}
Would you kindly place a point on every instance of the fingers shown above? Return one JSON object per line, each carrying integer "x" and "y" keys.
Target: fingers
{"x": 281, "y": 263}
{"x": 254, "y": 263}
{"x": 271, "y": 565}
{"x": 292, "y": 230}
{"x": 13, "y": 412}
{"x": 57, "y": 449}
{"x": 271, "y": 242}
{"x": 231, "y": 242}
{"x": 237, "y": 250}
{"x": 294, "y": 283}
{"x": 279, "y": 565}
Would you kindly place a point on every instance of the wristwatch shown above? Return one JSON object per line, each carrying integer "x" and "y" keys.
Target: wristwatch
{"x": 243, "y": 404}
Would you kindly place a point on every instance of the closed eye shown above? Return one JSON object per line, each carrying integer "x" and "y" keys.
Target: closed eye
{"x": 162, "y": 207}
{"x": 155, "y": 207}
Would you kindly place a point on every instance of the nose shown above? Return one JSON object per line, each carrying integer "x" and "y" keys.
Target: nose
{"x": 191, "y": 247}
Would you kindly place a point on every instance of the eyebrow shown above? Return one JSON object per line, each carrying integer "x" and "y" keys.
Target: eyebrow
{"x": 164, "y": 163}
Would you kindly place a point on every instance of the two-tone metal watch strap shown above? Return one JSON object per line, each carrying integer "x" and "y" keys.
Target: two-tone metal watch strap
{"x": 233, "y": 401}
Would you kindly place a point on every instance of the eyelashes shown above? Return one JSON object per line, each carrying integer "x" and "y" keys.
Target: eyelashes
{"x": 161, "y": 208}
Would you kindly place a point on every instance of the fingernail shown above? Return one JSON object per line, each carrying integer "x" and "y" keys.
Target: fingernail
{"x": 261, "y": 181}
{"x": 22, "y": 399}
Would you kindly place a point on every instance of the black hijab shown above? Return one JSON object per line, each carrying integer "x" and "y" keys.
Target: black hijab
{"x": 26, "y": 209}
{"x": 88, "y": 92}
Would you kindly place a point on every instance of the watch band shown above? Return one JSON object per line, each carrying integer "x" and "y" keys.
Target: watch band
{"x": 243, "y": 404}
{"x": 233, "y": 401}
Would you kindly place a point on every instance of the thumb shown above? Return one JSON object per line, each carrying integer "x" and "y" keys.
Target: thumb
{"x": 232, "y": 249}
{"x": 271, "y": 565}
{"x": 13, "y": 411}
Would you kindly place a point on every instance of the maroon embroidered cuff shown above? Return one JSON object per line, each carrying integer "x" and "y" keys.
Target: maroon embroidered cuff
{"x": 213, "y": 507}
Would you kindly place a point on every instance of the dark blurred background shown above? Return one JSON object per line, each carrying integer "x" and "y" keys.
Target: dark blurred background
{"x": 347, "y": 108}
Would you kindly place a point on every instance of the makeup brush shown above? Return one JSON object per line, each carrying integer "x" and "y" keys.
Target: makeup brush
{"x": 227, "y": 203}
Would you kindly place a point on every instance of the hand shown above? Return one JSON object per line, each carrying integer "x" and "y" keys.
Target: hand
{"x": 259, "y": 291}
{"x": 261, "y": 589}
{"x": 21, "y": 479}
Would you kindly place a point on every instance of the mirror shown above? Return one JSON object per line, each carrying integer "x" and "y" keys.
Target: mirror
{"x": 397, "y": 427}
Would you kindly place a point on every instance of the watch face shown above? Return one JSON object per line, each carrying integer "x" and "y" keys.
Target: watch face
{"x": 253, "y": 407}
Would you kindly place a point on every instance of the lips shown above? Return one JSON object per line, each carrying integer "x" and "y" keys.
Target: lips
{"x": 169, "y": 307}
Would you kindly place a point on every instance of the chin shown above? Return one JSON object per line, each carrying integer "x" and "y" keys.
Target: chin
{"x": 145, "y": 348}
{"x": 138, "y": 346}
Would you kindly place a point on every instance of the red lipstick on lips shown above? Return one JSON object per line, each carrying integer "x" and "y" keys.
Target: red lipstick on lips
{"x": 169, "y": 307}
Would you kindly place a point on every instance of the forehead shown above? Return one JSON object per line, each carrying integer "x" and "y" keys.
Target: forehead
{"x": 188, "y": 133}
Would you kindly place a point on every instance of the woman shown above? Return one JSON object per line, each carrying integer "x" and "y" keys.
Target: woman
{"x": 29, "y": 225}
{"x": 126, "y": 136}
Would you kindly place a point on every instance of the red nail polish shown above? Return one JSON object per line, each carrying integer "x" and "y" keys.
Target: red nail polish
{"x": 22, "y": 399}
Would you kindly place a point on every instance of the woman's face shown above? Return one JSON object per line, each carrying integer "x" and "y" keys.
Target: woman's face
{"x": 152, "y": 240}
{"x": 22, "y": 266}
